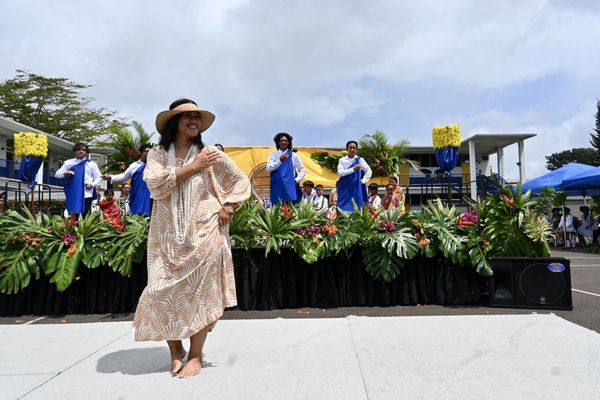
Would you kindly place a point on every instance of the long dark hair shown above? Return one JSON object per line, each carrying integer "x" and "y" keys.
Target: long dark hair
{"x": 170, "y": 133}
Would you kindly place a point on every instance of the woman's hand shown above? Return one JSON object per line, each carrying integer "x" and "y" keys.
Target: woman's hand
{"x": 224, "y": 217}
{"x": 205, "y": 159}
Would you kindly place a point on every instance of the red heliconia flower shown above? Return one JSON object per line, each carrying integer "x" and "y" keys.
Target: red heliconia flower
{"x": 286, "y": 213}
{"x": 374, "y": 214}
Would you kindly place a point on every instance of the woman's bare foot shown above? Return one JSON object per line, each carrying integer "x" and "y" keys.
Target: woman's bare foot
{"x": 177, "y": 362}
{"x": 192, "y": 367}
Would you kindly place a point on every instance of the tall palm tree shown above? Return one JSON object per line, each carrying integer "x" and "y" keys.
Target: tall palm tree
{"x": 126, "y": 144}
{"x": 384, "y": 158}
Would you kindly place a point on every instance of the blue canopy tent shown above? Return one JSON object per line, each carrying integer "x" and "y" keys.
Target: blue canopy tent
{"x": 555, "y": 179}
{"x": 588, "y": 182}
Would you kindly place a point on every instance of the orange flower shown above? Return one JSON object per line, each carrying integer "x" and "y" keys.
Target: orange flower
{"x": 332, "y": 214}
{"x": 72, "y": 250}
{"x": 330, "y": 229}
{"x": 423, "y": 242}
{"x": 511, "y": 201}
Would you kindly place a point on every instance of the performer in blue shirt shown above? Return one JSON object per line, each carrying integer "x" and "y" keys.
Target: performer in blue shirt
{"x": 286, "y": 171}
{"x": 354, "y": 174}
{"x": 82, "y": 177}
{"x": 140, "y": 202}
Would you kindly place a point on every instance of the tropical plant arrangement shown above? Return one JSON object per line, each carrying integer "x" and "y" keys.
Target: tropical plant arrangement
{"x": 56, "y": 247}
{"x": 510, "y": 224}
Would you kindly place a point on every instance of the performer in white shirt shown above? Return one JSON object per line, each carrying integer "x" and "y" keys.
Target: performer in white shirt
{"x": 286, "y": 171}
{"x": 354, "y": 173}
{"x": 140, "y": 202}
{"x": 82, "y": 177}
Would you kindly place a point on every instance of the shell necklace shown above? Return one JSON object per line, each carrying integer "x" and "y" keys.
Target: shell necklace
{"x": 182, "y": 204}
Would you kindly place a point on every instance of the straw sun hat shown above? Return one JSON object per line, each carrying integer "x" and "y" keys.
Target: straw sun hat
{"x": 206, "y": 119}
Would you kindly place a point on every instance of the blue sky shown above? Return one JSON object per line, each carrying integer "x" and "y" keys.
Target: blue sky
{"x": 328, "y": 71}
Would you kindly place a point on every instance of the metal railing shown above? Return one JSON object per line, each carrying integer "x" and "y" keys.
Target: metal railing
{"x": 43, "y": 198}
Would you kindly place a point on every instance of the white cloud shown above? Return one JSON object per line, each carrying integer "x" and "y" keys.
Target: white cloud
{"x": 310, "y": 65}
{"x": 571, "y": 132}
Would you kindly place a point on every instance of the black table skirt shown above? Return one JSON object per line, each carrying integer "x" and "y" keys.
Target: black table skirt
{"x": 275, "y": 282}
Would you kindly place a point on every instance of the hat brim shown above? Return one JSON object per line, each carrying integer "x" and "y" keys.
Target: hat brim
{"x": 206, "y": 120}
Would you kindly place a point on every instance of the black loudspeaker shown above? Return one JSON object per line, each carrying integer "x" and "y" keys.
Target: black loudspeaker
{"x": 525, "y": 282}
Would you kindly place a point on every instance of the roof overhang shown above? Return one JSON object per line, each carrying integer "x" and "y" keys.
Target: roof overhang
{"x": 486, "y": 144}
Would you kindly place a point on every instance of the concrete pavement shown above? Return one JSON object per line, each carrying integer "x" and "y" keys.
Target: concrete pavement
{"x": 421, "y": 352}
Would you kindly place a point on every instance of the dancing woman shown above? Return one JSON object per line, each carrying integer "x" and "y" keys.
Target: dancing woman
{"x": 196, "y": 189}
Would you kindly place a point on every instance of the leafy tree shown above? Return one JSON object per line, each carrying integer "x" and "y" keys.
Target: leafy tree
{"x": 580, "y": 155}
{"x": 595, "y": 142}
{"x": 126, "y": 145}
{"x": 54, "y": 106}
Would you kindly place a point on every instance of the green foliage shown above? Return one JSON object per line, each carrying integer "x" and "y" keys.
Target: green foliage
{"x": 127, "y": 145}
{"x": 54, "y": 106}
{"x": 544, "y": 201}
{"x": 381, "y": 264}
{"x": 276, "y": 226}
{"x": 511, "y": 224}
{"x": 505, "y": 226}
{"x": 587, "y": 156}
{"x": 19, "y": 246}
{"x": 440, "y": 221}
{"x": 58, "y": 247}
{"x": 384, "y": 158}
{"x": 241, "y": 228}
{"x": 326, "y": 160}
{"x": 595, "y": 142}
{"x": 124, "y": 249}
{"x": 559, "y": 199}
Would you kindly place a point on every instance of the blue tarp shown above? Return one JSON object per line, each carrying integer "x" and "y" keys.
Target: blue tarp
{"x": 588, "y": 182}
{"x": 554, "y": 179}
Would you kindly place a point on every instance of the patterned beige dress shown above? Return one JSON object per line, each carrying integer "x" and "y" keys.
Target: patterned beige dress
{"x": 189, "y": 284}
